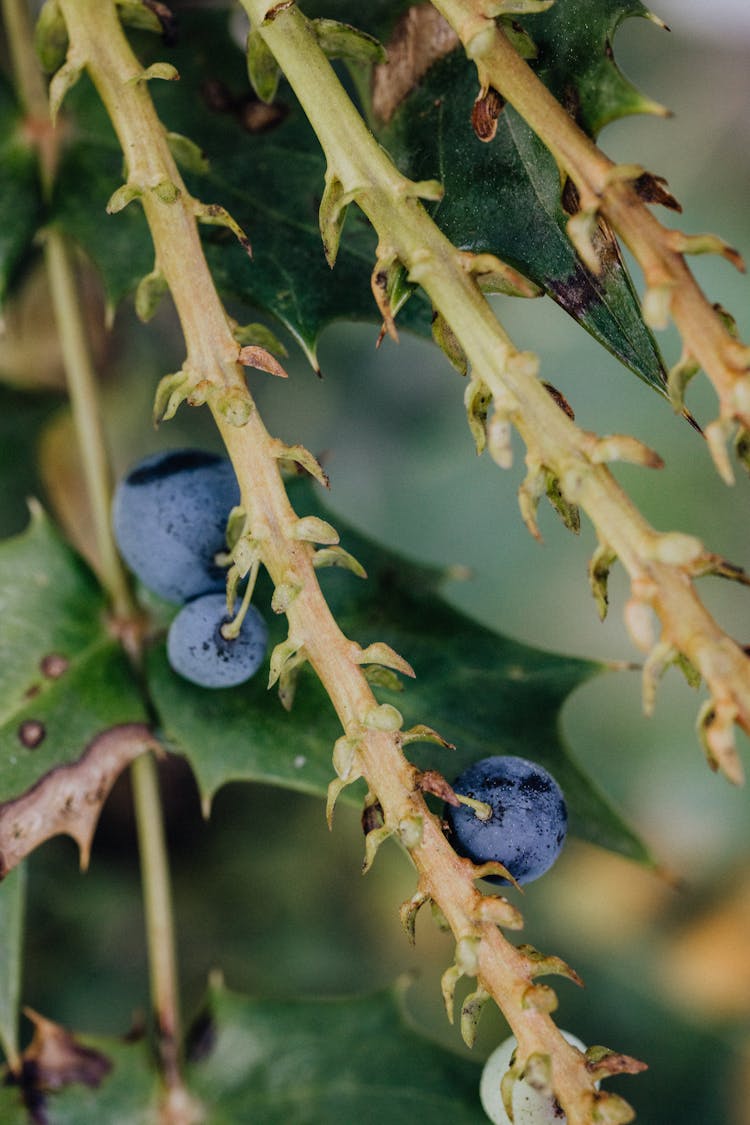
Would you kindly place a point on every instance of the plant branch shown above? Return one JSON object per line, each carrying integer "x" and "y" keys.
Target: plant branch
{"x": 30, "y": 86}
{"x": 371, "y": 745}
{"x": 612, "y": 191}
{"x": 84, "y": 399}
{"x": 157, "y": 906}
{"x": 660, "y": 566}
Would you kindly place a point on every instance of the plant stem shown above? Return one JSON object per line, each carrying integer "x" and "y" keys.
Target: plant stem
{"x": 158, "y": 911}
{"x": 212, "y": 351}
{"x": 84, "y": 402}
{"x": 85, "y": 407}
{"x": 30, "y": 85}
{"x": 660, "y": 566}
{"x": 596, "y": 176}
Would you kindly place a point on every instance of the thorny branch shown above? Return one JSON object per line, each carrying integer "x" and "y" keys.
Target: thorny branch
{"x": 661, "y": 566}
{"x": 617, "y": 193}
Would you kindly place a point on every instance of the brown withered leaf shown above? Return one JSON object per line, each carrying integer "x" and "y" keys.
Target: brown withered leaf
{"x": 54, "y": 1059}
{"x": 69, "y": 798}
{"x": 419, "y": 39}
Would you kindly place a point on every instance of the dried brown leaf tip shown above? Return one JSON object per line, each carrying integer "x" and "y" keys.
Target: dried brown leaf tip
{"x": 485, "y": 113}
{"x": 167, "y": 20}
{"x": 653, "y": 189}
{"x": 430, "y": 781}
{"x": 561, "y": 401}
{"x": 419, "y": 39}
{"x": 261, "y": 360}
{"x": 54, "y": 1059}
{"x": 69, "y": 798}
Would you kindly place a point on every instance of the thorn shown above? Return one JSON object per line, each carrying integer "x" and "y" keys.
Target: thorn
{"x": 657, "y": 20}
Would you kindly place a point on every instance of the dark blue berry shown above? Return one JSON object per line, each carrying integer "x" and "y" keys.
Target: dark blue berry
{"x": 529, "y": 819}
{"x": 199, "y": 652}
{"x": 169, "y": 516}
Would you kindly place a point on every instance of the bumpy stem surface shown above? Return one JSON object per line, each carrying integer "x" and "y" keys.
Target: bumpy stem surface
{"x": 602, "y": 189}
{"x": 660, "y": 566}
{"x": 406, "y": 233}
{"x": 212, "y": 351}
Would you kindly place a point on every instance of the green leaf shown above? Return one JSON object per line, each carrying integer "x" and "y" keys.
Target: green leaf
{"x": 22, "y": 418}
{"x": 503, "y": 197}
{"x": 65, "y": 685}
{"x": 20, "y": 198}
{"x": 316, "y": 1062}
{"x": 12, "y": 909}
{"x": 486, "y": 693}
{"x": 126, "y": 1094}
{"x": 266, "y": 169}
{"x": 574, "y": 41}
{"x": 283, "y": 1062}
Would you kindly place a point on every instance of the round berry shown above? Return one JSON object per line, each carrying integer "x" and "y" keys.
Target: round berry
{"x": 198, "y": 651}
{"x": 530, "y": 1106}
{"x": 529, "y": 820}
{"x": 169, "y": 516}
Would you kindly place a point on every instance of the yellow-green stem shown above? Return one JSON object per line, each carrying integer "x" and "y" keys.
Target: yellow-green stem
{"x": 212, "y": 354}
{"x": 84, "y": 401}
{"x": 595, "y": 175}
{"x": 157, "y": 901}
{"x": 30, "y": 85}
{"x": 553, "y": 440}
{"x": 87, "y": 418}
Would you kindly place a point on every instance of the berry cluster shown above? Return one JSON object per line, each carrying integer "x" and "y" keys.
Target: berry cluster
{"x": 169, "y": 516}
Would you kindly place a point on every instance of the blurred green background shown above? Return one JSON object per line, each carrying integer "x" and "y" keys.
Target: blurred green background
{"x": 263, "y": 890}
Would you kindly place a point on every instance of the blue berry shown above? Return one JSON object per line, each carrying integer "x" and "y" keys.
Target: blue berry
{"x": 169, "y": 516}
{"x": 197, "y": 650}
{"x": 529, "y": 819}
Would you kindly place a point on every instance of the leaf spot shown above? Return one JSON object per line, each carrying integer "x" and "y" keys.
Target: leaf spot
{"x": 32, "y": 733}
{"x": 54, "y": 665}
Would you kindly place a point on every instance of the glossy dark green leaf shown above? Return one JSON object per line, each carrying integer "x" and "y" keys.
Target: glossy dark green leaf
{"x": 22, "y": 417}
{"x": 20, "y": 199}
{"x": 266, "y": 168}
{"x": 575, "y": 59}
{"x": 316, "y": 1062}
{"x": 285, "y": 1062}
{"x": 63, "y": 679}
{"x": 486, "y": 693}
{"x": 503, "y": 197}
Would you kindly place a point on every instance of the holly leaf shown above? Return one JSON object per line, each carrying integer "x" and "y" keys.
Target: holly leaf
{"x": 283, "y": 1062}
{"x": 575, "y": 60}
{"x": 503, "y": 195}
{"x": 71, "y": 714}
{"x": 486, "y": 693}
{"x": 23, "y": 415}
{"x": 20, "y": 197}
{"x": 313, "y": 1062}
{"x": 265, "y": 167}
